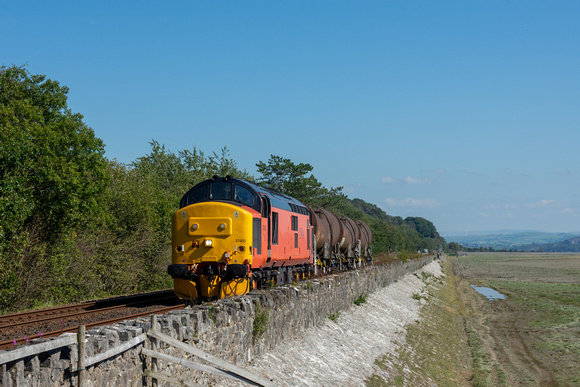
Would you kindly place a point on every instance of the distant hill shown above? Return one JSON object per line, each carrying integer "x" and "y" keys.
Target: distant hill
{"x": 525, "y": 240}
{"x": 452, "y": 234}
{"x": 568, "y": 245}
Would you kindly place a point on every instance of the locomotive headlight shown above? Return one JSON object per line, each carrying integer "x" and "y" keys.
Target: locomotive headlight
{"x": 222, "y": 226}
{"x": 208, "y": 243}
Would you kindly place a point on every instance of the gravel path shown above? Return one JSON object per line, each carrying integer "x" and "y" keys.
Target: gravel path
{"x": 342, "y": 352}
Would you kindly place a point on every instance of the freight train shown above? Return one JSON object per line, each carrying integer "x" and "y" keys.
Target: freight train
{"x": 231, "y": 235}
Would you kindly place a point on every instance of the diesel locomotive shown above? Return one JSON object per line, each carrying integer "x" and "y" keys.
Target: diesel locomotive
{"x": 231, "y": 235}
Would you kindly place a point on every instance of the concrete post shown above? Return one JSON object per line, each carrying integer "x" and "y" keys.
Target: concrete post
{"x": 154, "y": 346}
{"x": 81, "y": 361}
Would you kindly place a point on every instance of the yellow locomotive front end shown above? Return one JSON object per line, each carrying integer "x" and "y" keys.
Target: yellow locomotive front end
{"x": 212, "y": 252}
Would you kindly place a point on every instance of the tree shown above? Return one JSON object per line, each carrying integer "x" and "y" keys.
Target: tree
{"x": 454, "y": 247}
{"x": 422, "y": 226}
{"x": 52, "y": 173}
{"x": 202, "y": 167}
{"x": 52, "y": 164}
{"x": 290, "y": 179}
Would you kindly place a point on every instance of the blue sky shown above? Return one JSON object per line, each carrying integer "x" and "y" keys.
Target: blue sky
{"x": 466, "y": 113}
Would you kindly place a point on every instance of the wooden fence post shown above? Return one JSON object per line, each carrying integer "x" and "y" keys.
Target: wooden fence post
{"x": 81, "y": 361}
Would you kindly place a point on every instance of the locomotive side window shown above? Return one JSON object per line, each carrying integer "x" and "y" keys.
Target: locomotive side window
{"x": 198, "y": 195}
{"x": 243, "y": 195}
{"x": 274, "y": 228}
{"x": 221, "y": 190}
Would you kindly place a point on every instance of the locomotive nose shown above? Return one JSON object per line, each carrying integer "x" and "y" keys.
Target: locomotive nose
{"x": 210, "y": 237}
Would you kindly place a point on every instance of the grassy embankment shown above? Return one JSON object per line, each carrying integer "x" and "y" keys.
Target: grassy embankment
{"x": 532, "y": 338}
{"x": 436, "y": 350}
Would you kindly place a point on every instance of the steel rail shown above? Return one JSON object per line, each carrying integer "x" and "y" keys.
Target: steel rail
{"x": 76, "y": 312}
{"x": 40, "y": 315}
{"x": 25, "y": 340}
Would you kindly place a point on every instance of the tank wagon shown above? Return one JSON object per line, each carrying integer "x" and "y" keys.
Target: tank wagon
{"x": 230, "y": 236}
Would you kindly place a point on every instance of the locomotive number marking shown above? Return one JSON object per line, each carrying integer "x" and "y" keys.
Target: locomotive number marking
{"x": 240, "y": 241}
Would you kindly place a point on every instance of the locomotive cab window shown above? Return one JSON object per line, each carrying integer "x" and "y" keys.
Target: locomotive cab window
{"x": 221, "y": 190}
{"x": 198, "y": 195}
{"x": 243, "y": 195}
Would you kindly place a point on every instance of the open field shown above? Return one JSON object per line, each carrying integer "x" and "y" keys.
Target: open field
{"x": 526, "y": 267}
{"x": 532, "y": 337}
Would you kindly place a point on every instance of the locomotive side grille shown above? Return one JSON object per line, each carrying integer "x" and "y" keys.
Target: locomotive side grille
{"x": 299, "y": 209}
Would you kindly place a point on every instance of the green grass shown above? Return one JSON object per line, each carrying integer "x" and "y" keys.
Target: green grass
{"x": 212, "y": 314}
{"x": 553, "y": 268}
{"x": 360, "y": 300}
{"x": 554, "y": 310}
{"x": 261, "y": 321}
{"x": 375, "y": 381}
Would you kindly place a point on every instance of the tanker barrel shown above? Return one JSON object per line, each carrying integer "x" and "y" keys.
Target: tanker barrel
{"x": 321, "y": 229}
{"x": 327, "y": 228}
{"x": 366, "y": 235}
{"x": 352, "y": 233}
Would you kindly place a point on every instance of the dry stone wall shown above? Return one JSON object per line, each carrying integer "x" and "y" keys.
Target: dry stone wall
{"x": 236, "y": 330}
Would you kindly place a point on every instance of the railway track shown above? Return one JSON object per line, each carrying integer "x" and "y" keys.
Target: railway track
{"x": 20, "y": 328}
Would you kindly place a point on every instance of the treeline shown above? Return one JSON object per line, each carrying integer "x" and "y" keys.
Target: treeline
{"x": 571, "y": 245}
{"x": 75, "y": 225}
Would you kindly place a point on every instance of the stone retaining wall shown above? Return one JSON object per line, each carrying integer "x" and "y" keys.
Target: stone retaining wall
{"x": 237, "y": 330}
